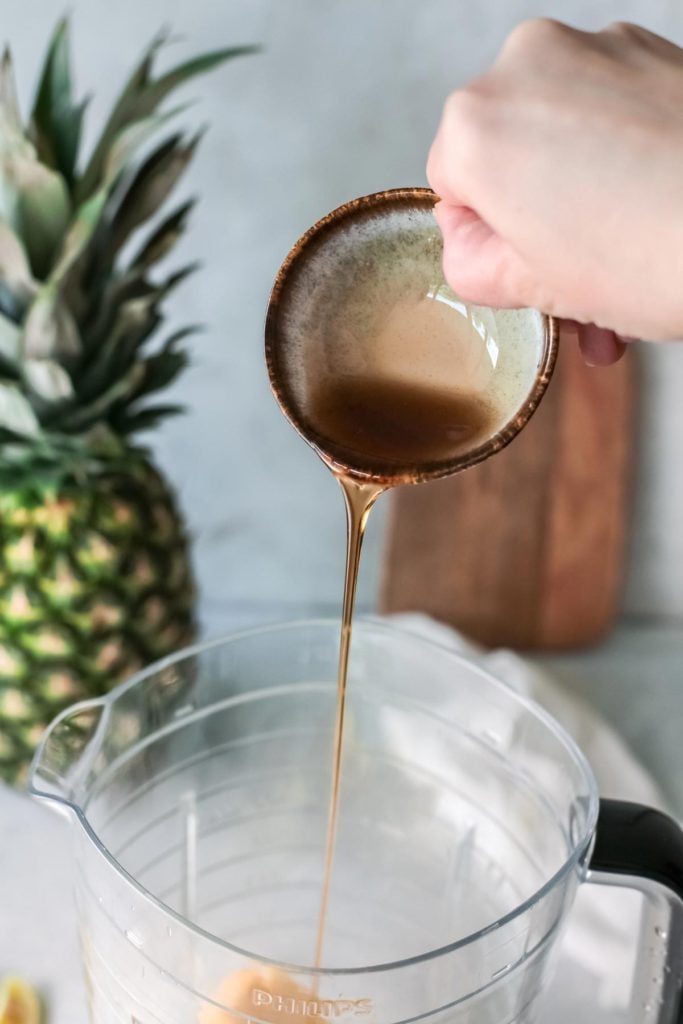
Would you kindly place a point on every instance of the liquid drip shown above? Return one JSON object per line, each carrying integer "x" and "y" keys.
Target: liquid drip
{"x": 359, "y": 499}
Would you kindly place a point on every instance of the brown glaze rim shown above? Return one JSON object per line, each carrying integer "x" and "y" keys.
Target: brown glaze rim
{"x": 425, "y": 198}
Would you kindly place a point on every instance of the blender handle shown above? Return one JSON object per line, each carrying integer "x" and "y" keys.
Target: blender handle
{"x": 646, "y": 846}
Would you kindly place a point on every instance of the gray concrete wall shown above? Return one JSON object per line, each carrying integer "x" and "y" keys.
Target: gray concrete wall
{"x": 343, "y": 100}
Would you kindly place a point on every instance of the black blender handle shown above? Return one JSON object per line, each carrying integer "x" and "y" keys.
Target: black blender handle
{"x": 637, "y": 841}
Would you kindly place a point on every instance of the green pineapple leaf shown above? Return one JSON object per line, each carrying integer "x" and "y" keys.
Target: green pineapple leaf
{"x": 178, "y": 276}
{"x": 89, "y": 213}
{"x": 10, "y": 348}
{"x": 140, "y": 199}
{"x": 130, "y": 139}
{"x": 163, "y": 239}
{"x": 34, "y": 199}
{"x": 86, "y": 416}
{"x": 84, "y": 252}
{"x": 16, "y": 415}
{"x": 123, "y": 113}
{"x": 48, "y": 380}
{"x": 9, "y": 108}
{"x": 131, "y": 421}
{"x": 76, "y": 370}
{"x": 11, "y": 305}
{"x": 56, "y": 121}
{"x": 50, "y": 330}
{"x": 156, "y": 92}
{"x": 112, "y": 295}
{"x": 34, "y": 202}
{"x": 150, "y": 187}
{"x": 129, "y": 313}
{"x": 79, "y": 235}
{"x": 14, "y": 266}
{"x": 141, "y": 97}
{"x": 102, "y": 441}
{"x": 162, "y": 368}
{"x": 134, "y": 321}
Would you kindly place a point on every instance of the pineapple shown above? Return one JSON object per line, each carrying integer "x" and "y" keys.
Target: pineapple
{"x": 95, "y": 580}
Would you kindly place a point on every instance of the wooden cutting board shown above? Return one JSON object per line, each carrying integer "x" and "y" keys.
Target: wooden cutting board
{"x": 527, "y": 549}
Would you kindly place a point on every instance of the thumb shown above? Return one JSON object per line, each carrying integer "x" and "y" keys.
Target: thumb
{"x": 477, "y": 263}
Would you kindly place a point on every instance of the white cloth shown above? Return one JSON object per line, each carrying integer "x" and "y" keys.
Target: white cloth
{"x": 600, "y": 946}
{"x": 619, "y": 775}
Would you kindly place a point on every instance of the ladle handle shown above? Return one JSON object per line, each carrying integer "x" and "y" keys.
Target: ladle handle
{"x": 641, "y": 848}
{"x": 66, "y": 752}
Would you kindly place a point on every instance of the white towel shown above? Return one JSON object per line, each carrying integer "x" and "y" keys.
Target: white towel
{"x": 599, "y": 948}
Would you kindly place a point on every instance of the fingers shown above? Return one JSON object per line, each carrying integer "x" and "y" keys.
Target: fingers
{"x": 484, "y": 270}
{"x": 599, "y": 345}
{"x": 637, "y": 36}
{"x": 479, "y": 265}
{"x": 439, "y": 168}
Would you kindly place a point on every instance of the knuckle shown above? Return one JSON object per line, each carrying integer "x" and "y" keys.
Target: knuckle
{"x": 466, "y": 119}
{"x": 532, "y": 32}
{"x": 625, "y": 29}
{"x": 459, "y": 141}
{"x": 461, "y": 116}
{"x": 459, "y": 110}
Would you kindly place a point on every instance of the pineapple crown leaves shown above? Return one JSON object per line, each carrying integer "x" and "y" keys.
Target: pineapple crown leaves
{"x": 76, "y": 314}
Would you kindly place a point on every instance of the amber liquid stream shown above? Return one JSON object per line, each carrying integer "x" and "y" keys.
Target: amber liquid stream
{"x": 389, "y": 424}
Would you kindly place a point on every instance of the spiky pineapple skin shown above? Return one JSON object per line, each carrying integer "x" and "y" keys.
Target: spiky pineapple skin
{"x": 95, "y": 583}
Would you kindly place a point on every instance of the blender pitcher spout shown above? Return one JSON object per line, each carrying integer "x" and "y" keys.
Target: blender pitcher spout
{"x": 66, "y": 754}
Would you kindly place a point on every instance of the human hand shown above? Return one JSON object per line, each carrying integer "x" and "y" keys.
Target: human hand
{"x": 560, "y": 173}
